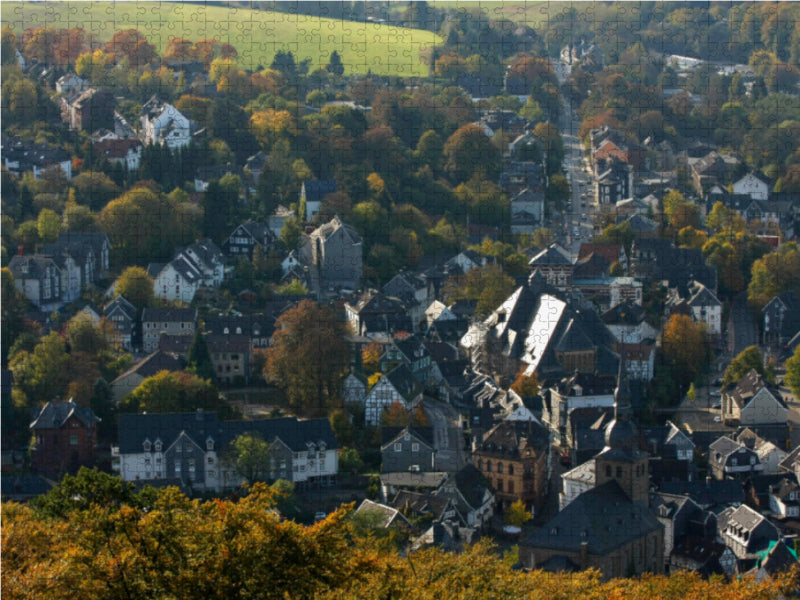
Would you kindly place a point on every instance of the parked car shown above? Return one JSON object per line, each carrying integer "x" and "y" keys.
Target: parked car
{"x": 717, "y": 405}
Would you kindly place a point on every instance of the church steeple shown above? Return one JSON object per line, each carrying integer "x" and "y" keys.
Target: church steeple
{"x": 621, "y": 433}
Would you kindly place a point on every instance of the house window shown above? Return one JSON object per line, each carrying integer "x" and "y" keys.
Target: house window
{"x": 510, "y": 469}
{"x": 209, "y": 444}
{"x": 608, "y": 470}
{"x": 398, "y": 447}
{"x": 752, "y": 460}
{"x": 619, "y": 472}
{"x": 210, "y": 460}
{"x": 499, "y": 485}
{"x": 510, "y": 487}
{"x": 159, "y": 445}
{"x": 499, "y": 467}
{"x": 733, "y": 462}
{"x": 415, "y": 447}
{"x": 488, "y": 466}
{"x": 73, "y": 440}
{"x": 147, "y": 446}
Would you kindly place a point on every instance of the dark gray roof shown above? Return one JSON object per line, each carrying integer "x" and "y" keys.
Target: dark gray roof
{"x": 317, "y": 190}
{"x": 422, "y": 432}
{"x": 135, "y": 429}
{"x": 624, "y": 313}
{"x": 122, "y": 304}
{"x": 707, "y": 493}
{"x": 472, "y": 485}
{"x": 603, "y": 517}
{"x": 169, "y": 315}
{"x": 153, "y": 363}
{"x": 404, "y": 382}
{"x": 551, "y": 255}
{"x": 54, "y": 415}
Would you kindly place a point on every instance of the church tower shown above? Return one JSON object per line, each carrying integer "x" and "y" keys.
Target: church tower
{"x": 621, "y": 460}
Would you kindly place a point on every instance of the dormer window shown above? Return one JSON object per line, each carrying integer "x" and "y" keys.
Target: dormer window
{"x": 158, "y": 445}
{"x": 209, "y": 444}
{"x": 146, "y": 445}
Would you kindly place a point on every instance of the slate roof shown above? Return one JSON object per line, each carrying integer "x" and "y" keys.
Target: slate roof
{"x": 389, "y": 515}
{"x": 472, "y": 485}
{"x": 54, "y": 415}
{"x": 152, "y": 364}
{"x": 30, "y": 266}
{"x": 421, "y": 503}
{"x": 316, "y": 190}
{"x": 120, "y": 303}
{"x": 404, "y": 382}
{"x": 552, "y": 255}
{"x": 707, "y": 493}
{"x": 134, "y": 429}
{"x": 626, "y": 312}
{"x": 510, "y": 438}
{"x": 602, "y": 517}
{"x": 748, "y": 386}
{"x": 424, "y": 433}
{"x": 169, "y": 315}
{"x": 611, "y": 252}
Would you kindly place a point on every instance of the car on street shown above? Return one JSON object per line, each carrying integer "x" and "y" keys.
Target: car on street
{"x": 717, "y": 419}
{"x": 716, "y": 405}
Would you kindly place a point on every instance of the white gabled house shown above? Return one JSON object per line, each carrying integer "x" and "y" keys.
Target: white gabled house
{"x": 162, "y": 123}
{"x": 752, "y": 402}
{"x": 198, "y": 265}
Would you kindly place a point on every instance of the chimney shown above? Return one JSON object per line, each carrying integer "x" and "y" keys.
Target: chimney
{"x": 584, "y": 555}
{"x": 20, "y": 250}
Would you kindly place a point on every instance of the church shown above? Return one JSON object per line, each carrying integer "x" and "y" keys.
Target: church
{"x": 605, "y": 522}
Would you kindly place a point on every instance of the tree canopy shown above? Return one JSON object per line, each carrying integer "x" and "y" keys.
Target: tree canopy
{"x": 308, "y": 356}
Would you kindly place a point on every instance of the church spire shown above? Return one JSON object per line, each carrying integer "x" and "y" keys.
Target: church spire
{"x": 620, "y": 433}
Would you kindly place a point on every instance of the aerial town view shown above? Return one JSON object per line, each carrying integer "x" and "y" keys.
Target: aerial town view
{"x": 421, "y": 300}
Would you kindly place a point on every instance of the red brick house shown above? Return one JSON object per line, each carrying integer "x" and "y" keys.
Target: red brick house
{"x": 65, "y": 438}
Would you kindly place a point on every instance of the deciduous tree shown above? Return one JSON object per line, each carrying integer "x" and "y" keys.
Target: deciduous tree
{"x": 308, "y": 356}
{"x": 749, "y": 358}
{"x": 685, "y": 347}
{"x": 136, "y": 286}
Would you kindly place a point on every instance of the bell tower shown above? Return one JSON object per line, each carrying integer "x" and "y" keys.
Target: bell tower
{"x": 621, "y": 460}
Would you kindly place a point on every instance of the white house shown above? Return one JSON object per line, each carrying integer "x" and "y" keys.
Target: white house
{"x": 354, "y": 388}
{"x": 193, "y": 447}
{"x": 754, "y": 185}
{"x": 70, "y": 82}
{"x": 162, "y": 123}
{"x": 784, "y": 499}
{"x": 200, "y": 264}
{"x": 752, "y": 402}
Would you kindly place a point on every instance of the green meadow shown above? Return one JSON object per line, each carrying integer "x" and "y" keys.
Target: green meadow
{"x": 257, "y": 35}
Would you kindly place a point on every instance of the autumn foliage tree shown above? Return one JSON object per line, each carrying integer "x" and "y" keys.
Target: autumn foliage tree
{"x": 685, "y": 348}
{"x": 526, "y": 385}
{"x": 308, "y": 356}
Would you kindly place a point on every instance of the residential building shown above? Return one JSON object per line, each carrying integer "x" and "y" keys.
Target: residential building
{"x": 398, "y": 385}
{"x": 513, "y": 457}
{"x": 781, "y": 319}
{"x": 753, "y": 402}
{"x": 728, "y": 458}
{"x": 152, "y": 364}
{"x": 124, "y": 317}
{"x": 746, "y": 533}
{"x": 527, "y": 211}
{"x": 230, "y": 357}
{"x": 127, "y": 152}
{"x": 200, "y": 264}
{"x": 313, "y": 192}
{"x": 555, "y": 265}
{"x": 38, "y": 278}
{"x": 91, "y": 110}
{"x": 700, "y": 302}
{"x": 375, "y": 312}
{"x": 409, "y": 448}
{"x": 193, "y": 447}
{"x": 755, "y": 185}
{"x": 784, "y": 499}
{"x": 162, "y": 124}
{"x": 171, "y": 321}
{"x": 335, "y": 251}
{"x": 65, "y": 438}
{"x": 26, "y": 156}
{"x": 246, "y": 237}
{"x": 89, "y": 252}
{"x": 579, "y": 390}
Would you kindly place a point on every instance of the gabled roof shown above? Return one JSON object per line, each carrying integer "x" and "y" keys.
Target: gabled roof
{"x": 472, "y": 485}
{"x": 326, "y": 230}
{"x": 511, "y": 438}
{"x": 152, "y": 364}
{"x": 120, "y": 303}
{"x": 747, "y": 388}
{"x": 422, "y": 433}
{"x": 709, "y": 492}
{"x": 550, "y": 256}
{"x": 316, "y": 190}
{"x": 603, "y": 517}
{"x": 388, "y": 515}
{"x": 404, "y": 382}
{"x": 54, "y": 415}
{"x": 199, "y": 426}
{"x": 626, "y": 312}
{"x": 421, "y": 503}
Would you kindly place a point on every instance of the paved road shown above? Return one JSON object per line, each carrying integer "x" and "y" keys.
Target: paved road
{"x": 447, "y": 438}
{"x": 742, "y": 329}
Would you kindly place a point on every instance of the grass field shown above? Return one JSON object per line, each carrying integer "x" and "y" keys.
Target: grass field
{"x": 257, "y": 35}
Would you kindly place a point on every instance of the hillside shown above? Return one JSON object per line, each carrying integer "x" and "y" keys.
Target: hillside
{"x": 257, "y": 35}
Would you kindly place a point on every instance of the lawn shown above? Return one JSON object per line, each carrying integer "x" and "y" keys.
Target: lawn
{"x": 257, "y": 35}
